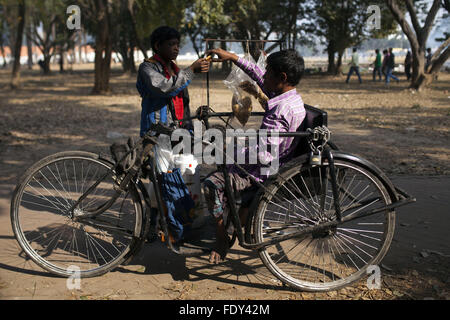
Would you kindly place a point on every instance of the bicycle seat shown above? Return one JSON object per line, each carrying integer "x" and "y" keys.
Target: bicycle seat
{"x": 314, "y": 118}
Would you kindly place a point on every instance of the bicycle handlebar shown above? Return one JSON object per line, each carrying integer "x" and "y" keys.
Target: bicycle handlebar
{"x": 160, "y": 128}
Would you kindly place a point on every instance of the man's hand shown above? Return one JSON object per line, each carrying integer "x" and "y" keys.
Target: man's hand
{"x": 201, "y": 65}
{"x": 223, "y": 55}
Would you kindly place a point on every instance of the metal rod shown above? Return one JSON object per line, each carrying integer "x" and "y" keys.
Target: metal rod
{"x": 243, "y": 40}
{"x": 334, "y": 187}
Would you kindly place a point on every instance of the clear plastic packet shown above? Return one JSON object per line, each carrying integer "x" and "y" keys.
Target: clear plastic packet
{"x": 246, "y": 93}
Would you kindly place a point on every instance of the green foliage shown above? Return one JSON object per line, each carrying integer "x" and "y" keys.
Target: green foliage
{"x": 343, "y": 24}
{"x": 151, "y": 14}
{"x": 205, "y": 19}
{"x": 245, "y": 19}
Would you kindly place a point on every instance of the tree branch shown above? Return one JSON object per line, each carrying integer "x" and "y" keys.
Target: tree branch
{"x": 413, "y": 15}
{"x": 437, "y": 64}
{"x": 400, "y": 17}
{"x": 437, "y": 56}
{"x": 429, "y": 20}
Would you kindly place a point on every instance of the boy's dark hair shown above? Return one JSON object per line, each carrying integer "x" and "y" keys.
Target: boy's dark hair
{"x": 161, "y": 34}
{"x": 377, "y": 50}
{"x": 354, "y": 49}
{"x": 289, "y": 62}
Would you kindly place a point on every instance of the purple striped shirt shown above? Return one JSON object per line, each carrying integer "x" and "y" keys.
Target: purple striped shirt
{"x": 284, "y": 113}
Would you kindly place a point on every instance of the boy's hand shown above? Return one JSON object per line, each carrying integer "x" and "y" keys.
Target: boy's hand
{"x": 201, "y": 65}
{"x": 223, "y": 55}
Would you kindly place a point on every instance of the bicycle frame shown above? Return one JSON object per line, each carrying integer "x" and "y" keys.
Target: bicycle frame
{"x": 153, "y": 175}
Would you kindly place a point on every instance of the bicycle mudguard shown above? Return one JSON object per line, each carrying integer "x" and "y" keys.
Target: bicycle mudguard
{"x": 393, "y": 191}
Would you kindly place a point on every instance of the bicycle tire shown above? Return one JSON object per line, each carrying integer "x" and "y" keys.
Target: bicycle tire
{"x": 338, "y": 257}
{"x": 60, "y": 244}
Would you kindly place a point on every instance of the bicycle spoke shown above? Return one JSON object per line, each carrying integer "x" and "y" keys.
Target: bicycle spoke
{"x": 331, "y": 256}
{"x": 57, "y": 240}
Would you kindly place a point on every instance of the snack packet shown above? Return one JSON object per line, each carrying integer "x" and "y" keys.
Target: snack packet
{"x": 245, "y": 90}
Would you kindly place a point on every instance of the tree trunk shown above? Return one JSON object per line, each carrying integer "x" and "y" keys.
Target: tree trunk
{"x": 132, "y": 62}
{"x": 331, "y": 69}
{"x": 417, "y": 39}
{"x": 338, "y": 69}
{"x": 125, "y": 60}
{"x": 61, "y": 60}
{"x": 103, "y": 50}
{"x": 46, "y": 65}
{"x": 128, "y": 64}
{"x": 418, "y": 76}
{"x": 226, "y": 65}
{"x": 15, "y": 78}
{"x": 29, "y": 48}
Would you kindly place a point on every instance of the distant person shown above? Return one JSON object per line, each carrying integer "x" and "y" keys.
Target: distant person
{"x": 390, "y": 64}
{"x": 383, "y": 64}
{"x": 428, "y": 59}
{"x": 354, "y": 66}
{"x": 377, "y": 65}
{"x": 408, "y": 63}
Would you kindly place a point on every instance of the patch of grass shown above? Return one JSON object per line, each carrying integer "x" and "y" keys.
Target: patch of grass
{"x": 416, "y": 106}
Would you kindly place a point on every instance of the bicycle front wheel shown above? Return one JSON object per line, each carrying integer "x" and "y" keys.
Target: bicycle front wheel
{"x": 335, "y": 257}
{"x": 62, "y": 242}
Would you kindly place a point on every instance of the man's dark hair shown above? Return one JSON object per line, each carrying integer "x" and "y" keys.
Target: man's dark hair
{"x": 377, "y": 50}
{"x": 161, "y": 34}
{"x": 289, "y": 62}
{"x": 354, "y": 49}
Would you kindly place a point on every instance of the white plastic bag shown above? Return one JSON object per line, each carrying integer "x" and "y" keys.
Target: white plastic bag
{"x": 245, "y": 90}
{"x": 186, "y": 162}
{"x": 163, "y": 154}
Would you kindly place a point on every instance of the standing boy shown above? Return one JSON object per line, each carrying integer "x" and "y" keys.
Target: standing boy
{"x": 162, "y": 84}
{"x": 163, "y": 87}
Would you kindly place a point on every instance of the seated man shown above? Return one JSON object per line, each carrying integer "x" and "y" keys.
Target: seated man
{"x": 284, "y": 112}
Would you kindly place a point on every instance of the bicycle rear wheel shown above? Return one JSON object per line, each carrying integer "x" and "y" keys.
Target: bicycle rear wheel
{"x": 335, "y": 257}
{"x": 55, "y": 240}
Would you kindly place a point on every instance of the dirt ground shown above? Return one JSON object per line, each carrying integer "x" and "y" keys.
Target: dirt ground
{"x": 403, "y": 132}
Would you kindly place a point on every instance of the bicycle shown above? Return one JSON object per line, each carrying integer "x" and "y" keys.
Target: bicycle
{"x": 317, "y": 224}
